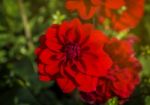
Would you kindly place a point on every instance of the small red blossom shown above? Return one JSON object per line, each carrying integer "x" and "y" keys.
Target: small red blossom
{"x": 72, "y": 54}
{"x": 122, "y": 14}
{"x": 122, "y": 78}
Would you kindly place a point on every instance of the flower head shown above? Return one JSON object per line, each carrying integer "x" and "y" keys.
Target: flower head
{"x": 124, "y": 15}
{"x": 122, "y": 78}
{"x": 72, "y": 54}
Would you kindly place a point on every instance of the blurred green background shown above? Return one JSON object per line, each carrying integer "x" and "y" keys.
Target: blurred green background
{"x": 21, "y": 24}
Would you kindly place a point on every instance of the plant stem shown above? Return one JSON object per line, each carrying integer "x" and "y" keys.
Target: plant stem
{"x": 25, "y": 21}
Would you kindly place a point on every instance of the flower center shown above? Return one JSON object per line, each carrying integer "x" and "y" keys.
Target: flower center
{"x": 72, "y": 51}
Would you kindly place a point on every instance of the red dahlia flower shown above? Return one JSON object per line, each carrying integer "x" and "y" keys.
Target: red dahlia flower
{"x": 72, "y": 54}
{"x": 122, "y": 78}
{"x": 122, "y": 13}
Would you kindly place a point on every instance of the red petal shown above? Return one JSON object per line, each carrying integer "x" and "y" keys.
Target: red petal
{"x": 65, "y": 84}
{"x": 96, "y": 60}
{"x": 96, "y": 2}
{"x": 97, "y": 65}
{"x": 37, "y": 50}
{"x": 52, "y": 41}
{"x": 104, "y": 61}
{"x": 65, "y": 26}
{"x": 85, "y": 10}
{"x": 53, "y": 45}
{"x": 45, "y": 56}
{"x": 44, "y": 78}
{"x": 114, "y": 5}
{"x": 97, "y": 39}
{"x": 52, "y": 68}
{"x": 41, "y": 69}
{"x": 70, "y": 71}
{"x": 86, "y": 82}
{"x": 52, "y": 31}
{"x": 67, "y": 31}
{"x": 72, "y": 4}
{"x": 48, "y": 57}
{"x": 84, "y": 31}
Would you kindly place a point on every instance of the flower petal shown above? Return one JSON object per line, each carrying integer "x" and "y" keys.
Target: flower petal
{"x": 86, "y": 82}
{"x": 97, "y": 62}
{"x": 52, "y": 40}
{"x": 44, "y": 78}
{"x": 112, "y": 5}
{"x": 65, "y": 84}
{"x": 85, "y": 9}
{"x": 52, "y": 69}
{"x": 49, "y": 57}
{"x": 41, "y": 69}
{"x": 44, "y": 56}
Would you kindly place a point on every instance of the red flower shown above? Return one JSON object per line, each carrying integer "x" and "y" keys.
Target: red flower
{"x": 72, "y": 54}
{"x": 122, "y": 13}
{"x": 85, "y": 8}
{"x": 122, "y": 77}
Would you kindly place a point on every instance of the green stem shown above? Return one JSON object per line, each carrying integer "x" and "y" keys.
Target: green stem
{"x": 25, "y": 21}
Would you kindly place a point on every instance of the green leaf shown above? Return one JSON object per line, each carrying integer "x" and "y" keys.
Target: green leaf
{"x": 147, "y": 100}
{"x": 112, "y": 101}
{"x": 145, "y": 63}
